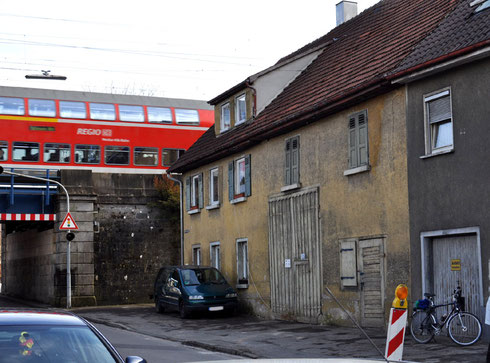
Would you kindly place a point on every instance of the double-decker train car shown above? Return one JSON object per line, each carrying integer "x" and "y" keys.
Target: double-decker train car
{"x": 55, "y": 129}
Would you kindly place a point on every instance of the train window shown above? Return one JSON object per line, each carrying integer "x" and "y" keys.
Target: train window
{"x": 169, "y": 156}
{"x": 56, "y": 153}
{"x": 70, "y": 109}
{"x": 45, "y": 108}
{"x": 146, "y": 156}
{"x": 12, "y": 106}
{"x": 118, "y": 155}
{"x": 4, "y": 150}
{"x": 87, "y": 154}
{"x": 131, "y": 113}
{"x": 25, "y": 151}
{"x": 159, "y": 114}
{"x": 183, "y": 116}
{"x": 102, "y": 111}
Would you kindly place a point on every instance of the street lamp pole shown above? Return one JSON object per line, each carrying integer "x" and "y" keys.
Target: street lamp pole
{"x": 69, "y": 235}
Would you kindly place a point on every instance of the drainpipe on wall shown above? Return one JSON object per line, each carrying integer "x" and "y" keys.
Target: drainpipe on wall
{"x": 181, "y": 214}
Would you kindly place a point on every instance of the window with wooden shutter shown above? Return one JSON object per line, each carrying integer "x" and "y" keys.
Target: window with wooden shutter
{"x": 358, "y": 140}
{"x": 291, "y": 172}
{"x": 188, "y": 193}
{"x": 439, "y": 126}
{"x": 348, "y": 263}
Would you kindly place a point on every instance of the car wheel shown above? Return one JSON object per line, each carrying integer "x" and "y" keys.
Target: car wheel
{"x": 159, "y": 307}
{"x": 183, "y": 310}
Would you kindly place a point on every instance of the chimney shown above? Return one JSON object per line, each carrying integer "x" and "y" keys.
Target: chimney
{"x": 345, "y": 10}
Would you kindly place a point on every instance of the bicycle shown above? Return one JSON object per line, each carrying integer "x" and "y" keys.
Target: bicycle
{"x": 463, "y": 327}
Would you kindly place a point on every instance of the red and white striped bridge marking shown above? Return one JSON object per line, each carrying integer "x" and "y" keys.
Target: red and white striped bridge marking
{"x": 27, "y": 217}
{"x": 396, "y": 334}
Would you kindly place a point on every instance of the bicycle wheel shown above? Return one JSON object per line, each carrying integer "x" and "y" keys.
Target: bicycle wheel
{"x": 421, "y": 326}
{"x": 464, "y": 328}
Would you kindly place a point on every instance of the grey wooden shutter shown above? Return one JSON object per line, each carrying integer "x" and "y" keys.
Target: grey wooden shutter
{"x": 201, "y": 191}
{"x": 352, "y": 142}
{"x": 348, "y": 263}
{"x": 220, "y": 184}
{"x": 363, "y": 138}
{"x": 287, "y": 168}
{"x": 248, "y": 181}
{"x": 295, "y": 160}
{"x": 231, "y": 183}
{"x": 188, "y": 193}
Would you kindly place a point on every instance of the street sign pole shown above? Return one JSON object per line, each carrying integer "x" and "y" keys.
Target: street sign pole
{"x": 69, "y": 235}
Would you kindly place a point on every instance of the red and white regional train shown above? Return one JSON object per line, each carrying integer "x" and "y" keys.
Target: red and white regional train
{"x": 106, "y": 133}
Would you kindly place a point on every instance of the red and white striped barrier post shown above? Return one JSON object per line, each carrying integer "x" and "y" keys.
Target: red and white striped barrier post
{"x": 396, "y": 327}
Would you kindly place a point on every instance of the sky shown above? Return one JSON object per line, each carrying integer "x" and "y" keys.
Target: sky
{"x": 191, "y": 49}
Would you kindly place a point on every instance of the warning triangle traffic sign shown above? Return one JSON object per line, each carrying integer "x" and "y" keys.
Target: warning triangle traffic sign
{"x": 68, "y": 223}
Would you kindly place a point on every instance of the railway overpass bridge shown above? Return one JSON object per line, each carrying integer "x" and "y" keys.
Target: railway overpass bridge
{"x": 123, "y": 238}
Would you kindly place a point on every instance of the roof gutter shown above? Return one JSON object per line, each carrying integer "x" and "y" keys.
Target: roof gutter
{"x": 459, "y": 57}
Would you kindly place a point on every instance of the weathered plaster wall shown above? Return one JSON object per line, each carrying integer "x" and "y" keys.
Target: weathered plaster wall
{"x": 368, "y": 204}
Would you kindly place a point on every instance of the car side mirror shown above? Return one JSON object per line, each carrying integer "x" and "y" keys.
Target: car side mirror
{"x": 135, "y": 359}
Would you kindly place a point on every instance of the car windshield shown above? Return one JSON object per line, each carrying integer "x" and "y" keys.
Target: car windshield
{"x": 67, "y": 344}
{"x": 198, "y": 276}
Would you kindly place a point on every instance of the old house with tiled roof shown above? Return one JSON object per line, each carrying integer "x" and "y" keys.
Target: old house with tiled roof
{"x": 302, "y": 182}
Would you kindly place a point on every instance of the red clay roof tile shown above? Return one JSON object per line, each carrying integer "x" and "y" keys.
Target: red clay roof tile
{"x": 355, "y": 64}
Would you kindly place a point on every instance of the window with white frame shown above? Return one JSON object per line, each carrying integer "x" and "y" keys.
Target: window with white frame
{"x": 291, "y": 172}
{"x": 196, "y": 255}
{"x": 193, "y": 193}
{"x": 240, "y": 109}
{"x": 225, "y": 117}
{"x": 215, "y": 255}
{"x": 239, "y": 178}
{"x": 214, "y": 186}
{"x": 438, "y": 122}
{"x": 242, "y": 262}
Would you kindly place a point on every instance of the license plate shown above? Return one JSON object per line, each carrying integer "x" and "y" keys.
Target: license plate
{"x": 215, "y": 308}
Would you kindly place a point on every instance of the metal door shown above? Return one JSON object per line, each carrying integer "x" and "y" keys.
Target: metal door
{"x": 295, "y": 256}
{"x": 455, "y": 262}
{"x": 371, "y": 277}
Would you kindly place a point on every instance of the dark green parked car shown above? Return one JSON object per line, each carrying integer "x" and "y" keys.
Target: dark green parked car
{"x": 190, "y": 289}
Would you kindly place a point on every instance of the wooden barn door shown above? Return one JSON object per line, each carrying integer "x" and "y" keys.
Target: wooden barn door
{"x": 295, "y": 256}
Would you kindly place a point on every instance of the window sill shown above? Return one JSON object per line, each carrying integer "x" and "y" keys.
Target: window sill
{"x": 213, "y": 206}
{"x": 241, "y": 286}
{"x": 238, "y": 200}
{"x": 194, "y": 211}
{"x": 287, "y": 188}
{"x": 359, "y": 169}
{"x": 436, "y": 153}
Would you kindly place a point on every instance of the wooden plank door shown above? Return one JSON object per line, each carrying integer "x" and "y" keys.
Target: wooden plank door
{"x": 295, "y": 256}
{"x": 371, "y": 278}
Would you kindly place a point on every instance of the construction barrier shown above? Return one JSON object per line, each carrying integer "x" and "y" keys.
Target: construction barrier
{"x": 397, "y": 324}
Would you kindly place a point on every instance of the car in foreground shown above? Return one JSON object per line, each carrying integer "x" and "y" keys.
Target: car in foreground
{"x": 190, "y": 289}
{"x": 53, "y": 336}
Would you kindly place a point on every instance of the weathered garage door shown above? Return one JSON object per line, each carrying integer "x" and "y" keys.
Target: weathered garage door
{"x": 371, "y": 270}
{"x": 455, "y": 261}
{"x": 295, "y": 255}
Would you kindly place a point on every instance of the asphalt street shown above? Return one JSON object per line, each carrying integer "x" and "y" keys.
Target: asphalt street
{"x": 246, "y": 336}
